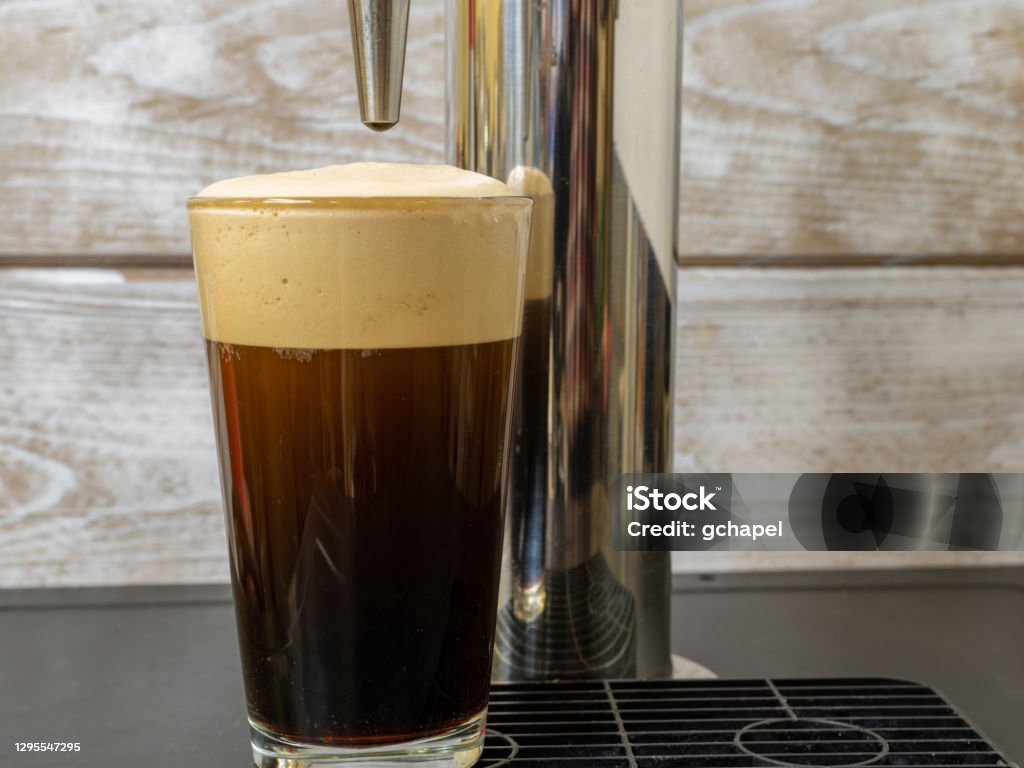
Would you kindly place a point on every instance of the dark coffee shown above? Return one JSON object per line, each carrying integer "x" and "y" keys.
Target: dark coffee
{"x": 364, "y": 492}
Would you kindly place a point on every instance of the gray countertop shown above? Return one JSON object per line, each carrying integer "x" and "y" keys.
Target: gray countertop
{"x": 150, "y": 676}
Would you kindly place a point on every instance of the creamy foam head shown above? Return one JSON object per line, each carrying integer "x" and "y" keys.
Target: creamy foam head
{"x": 362, "y": 180}
{"x": 361, "y": 256}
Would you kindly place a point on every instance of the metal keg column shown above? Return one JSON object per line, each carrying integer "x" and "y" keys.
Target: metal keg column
{"x": 576, "y": 103}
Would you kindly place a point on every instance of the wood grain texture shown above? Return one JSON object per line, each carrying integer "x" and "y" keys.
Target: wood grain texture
{"x": 107, "y": 467}
{"x": 107, "y": 464}
{"x": 853, "y": 127}
{"x": 886, "y": 369}
{"x": 112, "y": 114}
{"x": 851, "y": 130}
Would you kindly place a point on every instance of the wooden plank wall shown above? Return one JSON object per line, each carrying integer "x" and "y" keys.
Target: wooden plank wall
{"x": 854, "y": 130}
{"x": 858, "y": 130}
{"x": 108, "y": 465}
{"x": 816, "y": 133}
{"x": 114, "y": 113}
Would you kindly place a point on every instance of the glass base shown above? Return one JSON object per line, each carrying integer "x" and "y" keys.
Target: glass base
{"x": 458, "y": 748}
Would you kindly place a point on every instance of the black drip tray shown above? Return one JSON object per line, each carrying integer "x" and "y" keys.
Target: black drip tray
{"x": 729, "y": 724}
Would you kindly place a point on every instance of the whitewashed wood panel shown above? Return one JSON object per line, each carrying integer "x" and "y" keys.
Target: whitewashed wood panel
{"x": 851, "y": 369}
{"x": 107, "y": 465}
{"x": 112, "y": 114}
{"x": 853, "y": 127}
{"x": 841, "y": 129}
{"x": 107, "y": 469}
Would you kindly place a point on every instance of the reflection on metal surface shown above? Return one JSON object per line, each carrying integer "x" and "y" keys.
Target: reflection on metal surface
{"x": 529, "y": 471}
{"x": 575, "y": 102}
{"x": 600, "y": 614}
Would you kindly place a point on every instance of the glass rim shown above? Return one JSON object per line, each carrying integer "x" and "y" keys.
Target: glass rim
{"x": 197, "y": 201}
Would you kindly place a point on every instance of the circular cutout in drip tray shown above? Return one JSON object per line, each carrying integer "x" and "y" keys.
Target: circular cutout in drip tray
{"x": 811, "y": 743}
{"x": 499, "y": 749}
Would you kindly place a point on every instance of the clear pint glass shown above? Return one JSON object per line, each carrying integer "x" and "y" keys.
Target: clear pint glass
{"x": 361, "y": 351}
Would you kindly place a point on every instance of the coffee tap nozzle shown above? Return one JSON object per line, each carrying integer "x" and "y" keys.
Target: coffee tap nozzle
{"x": 379, "y": 30}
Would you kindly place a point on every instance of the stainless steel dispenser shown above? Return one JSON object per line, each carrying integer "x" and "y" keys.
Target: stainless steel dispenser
{"x": 574, "y": 102}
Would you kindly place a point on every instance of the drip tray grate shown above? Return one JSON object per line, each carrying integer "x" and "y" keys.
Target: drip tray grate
{"x": 729, "y": 724}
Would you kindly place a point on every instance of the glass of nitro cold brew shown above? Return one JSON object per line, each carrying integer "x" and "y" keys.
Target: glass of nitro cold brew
{"x": 361, "y": 327}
